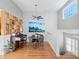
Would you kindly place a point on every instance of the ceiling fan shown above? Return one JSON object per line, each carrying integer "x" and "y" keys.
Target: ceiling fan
{"x": 37, "y": 17}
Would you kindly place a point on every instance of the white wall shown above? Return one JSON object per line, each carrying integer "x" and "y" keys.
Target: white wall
{"x": 1, "y": 45}
{"x": 50, "y": 31}
{"x": 9, "y": 6}
{"x": 4, "y": 44}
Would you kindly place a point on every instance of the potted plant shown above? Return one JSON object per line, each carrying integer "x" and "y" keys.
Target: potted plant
{"x": 11, "y": 46}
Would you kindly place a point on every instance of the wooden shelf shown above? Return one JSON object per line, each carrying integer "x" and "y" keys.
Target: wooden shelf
{"x": 0, "y": 26}
{"x": 8, "y": 23}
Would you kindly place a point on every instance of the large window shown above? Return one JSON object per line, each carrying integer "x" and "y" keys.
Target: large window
{"x": 70, "y": 10}
{"x": 36, "y": 25}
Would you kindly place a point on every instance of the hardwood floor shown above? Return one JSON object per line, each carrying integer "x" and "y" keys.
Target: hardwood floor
{"x": 68, "y": 57}
{"x": 26, "y": 52}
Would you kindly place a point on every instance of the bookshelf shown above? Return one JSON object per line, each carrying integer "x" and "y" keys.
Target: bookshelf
{"x": 8, "y": 23}
{"x": 0, "y": 25}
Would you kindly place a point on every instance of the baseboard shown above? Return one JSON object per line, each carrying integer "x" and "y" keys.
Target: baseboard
{"x": 52, "y": 48}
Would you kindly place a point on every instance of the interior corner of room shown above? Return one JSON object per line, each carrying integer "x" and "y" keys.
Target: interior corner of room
{"x": 41, "y": 26}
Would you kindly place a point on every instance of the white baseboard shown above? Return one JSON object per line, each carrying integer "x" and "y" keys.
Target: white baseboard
{"x": 57, "y": 54}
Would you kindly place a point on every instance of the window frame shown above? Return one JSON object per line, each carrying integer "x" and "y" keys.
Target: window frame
{"x": 67, "y": 7}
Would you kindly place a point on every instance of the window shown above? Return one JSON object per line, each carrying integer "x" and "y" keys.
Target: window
{"x": 36, "y": 25}
{"x": 70, "y": 10}
{"x": 68, "y": 44}
{"x": 72, "y": 45}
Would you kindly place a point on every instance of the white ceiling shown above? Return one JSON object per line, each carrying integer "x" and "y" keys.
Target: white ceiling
{"x": 43, "y": 5}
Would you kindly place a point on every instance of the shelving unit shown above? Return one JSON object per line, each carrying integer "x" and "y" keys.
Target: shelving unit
{"x": 0, "y": 26}
{"x": 8, "y": 23}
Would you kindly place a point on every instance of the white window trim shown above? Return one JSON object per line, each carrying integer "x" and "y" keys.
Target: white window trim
{"x": 74, "y": 1}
